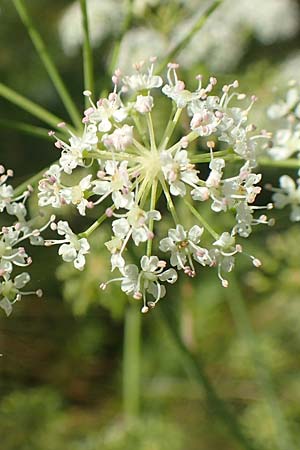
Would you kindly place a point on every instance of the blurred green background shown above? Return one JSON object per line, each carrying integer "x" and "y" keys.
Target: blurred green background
{"x": 62, "y": 372}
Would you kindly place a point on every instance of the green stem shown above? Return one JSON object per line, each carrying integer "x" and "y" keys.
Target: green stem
{"x": 88, "y": 67}
{"x": 174, "y": 51}
{"x": 141, "y": 130}
{"x": 29, "y": 106}
{"x": 170, "y": 203}
{"x": 94, "y": 225}
{"x": 26, "y": 129}
{"x": 206, "y": 157}
{"x": 239, "y": 312}
{"x": 291, "y": 163}
{"x": 131, "y": 362}
{"x": 170, "y": 128}
{"x": 201, "y": 219}
{"x": 151, "y": 131}
{"x": 48, "y": 63}
{"x": 195, "y": 369}
{"x": 152, "y": 207}
{"x": 103, "y": 154}
{"x": 32, "y": 181}
{"x": 192, "y": 136}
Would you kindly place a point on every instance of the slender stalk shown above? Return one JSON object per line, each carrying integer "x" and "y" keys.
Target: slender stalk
{"x": 29, "y": 106}
{"x": 206, "y": 157}
{"x": 192, "y": 136}
{"x": 48, "y": 63}
{"x": 170, "y": 203}
{"x": 170, "y": 128}
{"x": 88, "y": 66}
{"x": 201, "y": 219}
{"x": 291, "y": 163}
{"x": 239, "y": 312}
{"x": 94, "y": 225}
{"x": 103, "y": 154}
{"x": 151, "y": 222}
{"x": 151, "y": 131}
{"x": 195, "y": 369}
{"x": 32, "y": 181}
{"x": 131, "y": 362}
{"x": 140, "y": 129}
{"x": 175, "y": 50}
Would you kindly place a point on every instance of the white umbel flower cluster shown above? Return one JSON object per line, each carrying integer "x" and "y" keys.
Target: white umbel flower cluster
{"x": 13, "y": 254}
{"x": 286, "y": 144}
{"x": 130, "y": 175}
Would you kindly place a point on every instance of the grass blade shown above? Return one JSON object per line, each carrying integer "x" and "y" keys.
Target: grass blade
{"x": 194, "y": 368}
{"x": 88, "y": 66}
{"x": 29, "y": 106}
{"x": 174, "y": 51}
{"x": 48, "y": 63}
{"x": 26, "y": 128}
{"x": 240, "y": 315}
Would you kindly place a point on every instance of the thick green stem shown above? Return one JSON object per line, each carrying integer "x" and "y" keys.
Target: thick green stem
{"x": 29, "y": 106}
{"x": 195, "y": 369}
{"x": 131, "y": 362}
{"x": 48, "y": 63}
{"x": 88, "y": 67}
{"x": 174, "y": 51}
{"x": 239, "y": 312}
{"x": 291, "y": 163}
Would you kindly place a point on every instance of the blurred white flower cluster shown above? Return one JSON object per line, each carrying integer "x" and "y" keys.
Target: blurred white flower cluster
{"x": 216, "y": 43}
{"x": 13, "y": 254}
{"x": 286, "y": 144}
{"x": 268, "y": 21}
{"x": 132, "y": 176}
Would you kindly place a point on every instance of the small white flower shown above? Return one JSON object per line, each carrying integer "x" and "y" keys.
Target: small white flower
{"x": 50, "y": 188}
{"x": 177, "y": 171}
{"x": 286, "y": 143}
{"x": 107, "y": 110}
{"x": 143, "y": 104}
{"x": 6, "y": 195}
{"x": 141, "y": 81}
{"x": 115, "y": 181}
{"x": 148, "y": 280}
{"x": 72, "y": 154}
{"x": 10, "y": 291}
{"x": 78, "y": 194}
{"x": 283, "y": 107}
{"x": 289, "y": 194}
{"x": 120, "y": 139}
{"x": 204, "y": 122}
{"x": 223, "y": 255}
{"x": 183, "y": 245}
{"x": 72, "y": 249}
